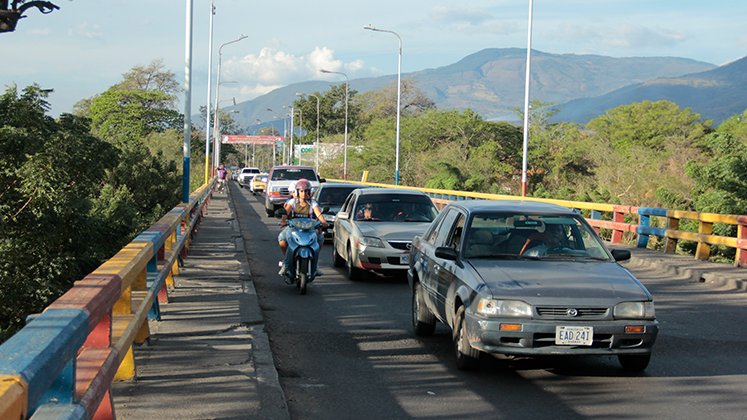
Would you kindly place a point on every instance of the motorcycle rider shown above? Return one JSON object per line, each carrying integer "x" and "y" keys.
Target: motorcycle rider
{"x": 302, "y": 205}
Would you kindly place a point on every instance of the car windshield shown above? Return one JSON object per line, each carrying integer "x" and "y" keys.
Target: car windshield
{"x": 395, "y": 208}
{"x": 531, "y": 236}
{"x": 293, "y": 174}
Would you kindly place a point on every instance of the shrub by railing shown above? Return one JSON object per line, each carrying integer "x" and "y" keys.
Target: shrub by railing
{"x": 63, "y": 362}
{"x": 613, "y": 218}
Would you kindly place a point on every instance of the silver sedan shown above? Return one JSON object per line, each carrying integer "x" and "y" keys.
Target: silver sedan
{"x": 375, "y": 227}
{"x": 528, "y": 279}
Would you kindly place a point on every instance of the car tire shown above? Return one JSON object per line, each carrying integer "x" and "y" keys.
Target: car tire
{"x": 467, "y": 357}
{"x": 337, "y": 260}
{"x": 423, "y": 321}
{"x": 634, "y": 362}
{"x": 270, "y": 213}
{"x": 352, "y": 271}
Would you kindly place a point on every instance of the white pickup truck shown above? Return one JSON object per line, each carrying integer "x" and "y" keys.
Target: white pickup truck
{"x": 246, "y": 175}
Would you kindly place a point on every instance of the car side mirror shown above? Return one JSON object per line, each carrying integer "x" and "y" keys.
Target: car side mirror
{"x": 620, "y": 254}
{"x": 322, "y": 180}
{"x": 446, "y": 253}
{"x": 325, "y": 210}
{"x": 342, "y": 215}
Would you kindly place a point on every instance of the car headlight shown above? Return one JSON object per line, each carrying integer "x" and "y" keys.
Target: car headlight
{"x": 372, "y": 241}
{"x": 634, "y": 310}
{"x": 510, "y": 308}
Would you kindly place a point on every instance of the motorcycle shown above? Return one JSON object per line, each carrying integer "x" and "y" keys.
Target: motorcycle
{"x": 302, "y": 255}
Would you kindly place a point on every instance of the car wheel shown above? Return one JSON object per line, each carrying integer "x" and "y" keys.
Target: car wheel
{"x": 353, "y": 271}
{"x": 466, "y": 356}
{"x": 337, "y": 260}
{"x": 634, "y": 362}
{"x": 423, "y": 321}
{"x": 269, "y": 212}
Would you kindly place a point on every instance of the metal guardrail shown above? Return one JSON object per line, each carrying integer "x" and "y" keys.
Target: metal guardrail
{"x": 62, "y": 363}
{"x": 617, "y": 219}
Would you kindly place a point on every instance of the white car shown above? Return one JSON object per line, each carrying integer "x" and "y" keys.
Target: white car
{"x": 374, "y": 229}
{"x": 246, "y": 175}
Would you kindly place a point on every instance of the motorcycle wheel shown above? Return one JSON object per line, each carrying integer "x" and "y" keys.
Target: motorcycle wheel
{"x": 302, "y": 274}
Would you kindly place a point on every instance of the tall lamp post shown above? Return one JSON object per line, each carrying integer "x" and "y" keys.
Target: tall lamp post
{"x": 526, "y": 107}
{"x": 216, "y": 133}
{"x": 345, "y": 144}
{"x": 317, "y": 129}
{"x": 399, "y": 72}
{"x": 208, "y": 111}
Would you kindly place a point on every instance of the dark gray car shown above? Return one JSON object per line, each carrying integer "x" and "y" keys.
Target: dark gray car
{"x": 527, "y": 278}
{"x": 331, "y": 196}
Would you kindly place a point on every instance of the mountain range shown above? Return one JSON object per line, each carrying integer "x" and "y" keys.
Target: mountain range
{"x": 491, "y": 82}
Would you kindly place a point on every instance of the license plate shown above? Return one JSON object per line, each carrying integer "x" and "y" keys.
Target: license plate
{"x": 574, "y": 336}
{"x": 404, "y": 259}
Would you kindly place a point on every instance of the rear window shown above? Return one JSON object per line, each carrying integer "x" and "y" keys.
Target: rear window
{"x": 250, "y": 171}
{"x": 293, "y": 174}
{"x": 334, "y": 195}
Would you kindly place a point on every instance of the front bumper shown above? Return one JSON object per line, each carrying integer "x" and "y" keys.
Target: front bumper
{"x": 277, "y": 200}
{"x": 537, "y": 337}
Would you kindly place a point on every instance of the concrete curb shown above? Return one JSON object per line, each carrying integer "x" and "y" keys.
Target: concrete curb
{"x": 273, "y": 404}
{"x": 714, "y": 274}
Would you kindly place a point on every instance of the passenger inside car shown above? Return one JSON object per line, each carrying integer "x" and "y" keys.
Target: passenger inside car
{"x": 366, "y": 212}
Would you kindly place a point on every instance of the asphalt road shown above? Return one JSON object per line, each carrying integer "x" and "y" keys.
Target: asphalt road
{"x": 346, "y": 350}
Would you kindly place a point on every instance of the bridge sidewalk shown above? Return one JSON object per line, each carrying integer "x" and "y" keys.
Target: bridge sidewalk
{"x": 209, "y": 356}
{"x": 718, "y": 275}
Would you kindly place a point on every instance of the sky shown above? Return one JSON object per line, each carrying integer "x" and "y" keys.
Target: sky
{"x": 86, "y": 46}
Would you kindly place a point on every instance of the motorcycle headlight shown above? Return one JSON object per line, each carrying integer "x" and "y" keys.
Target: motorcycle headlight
{"x": 508, "y": 308}
{"x": 634, "y": 310}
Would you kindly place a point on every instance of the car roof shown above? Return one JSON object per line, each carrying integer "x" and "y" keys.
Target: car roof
{"x": 340, "y": 185}
{"x": 291, "y": 167}
{"x": 381, "y": 191}
{"x": 526, "y": 206}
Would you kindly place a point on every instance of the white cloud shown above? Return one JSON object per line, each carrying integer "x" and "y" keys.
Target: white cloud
{"x": 86, "y": 30}
{"x": 260, "y": 73}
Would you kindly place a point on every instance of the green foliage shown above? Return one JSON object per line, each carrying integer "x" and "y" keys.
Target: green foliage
{"x": 649, "y": 124}
{"x": 124, "y": 114}
{"x": 51, "y": 174}
{"x": 441, "y": 148}
{"x": 721, "y": 183}
{"x": 68, "y": 199}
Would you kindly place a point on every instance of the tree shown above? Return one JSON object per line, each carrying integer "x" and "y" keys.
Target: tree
{"x": 51, "y": 173}
{"x": 649, "y": 124}
{"x": 486, "y": 160}
{"x": 382, "y": 103}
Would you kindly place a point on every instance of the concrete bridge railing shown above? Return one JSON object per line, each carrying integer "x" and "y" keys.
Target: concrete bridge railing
{"x": 643, "y": 222}
{"x": 62, "y": 363}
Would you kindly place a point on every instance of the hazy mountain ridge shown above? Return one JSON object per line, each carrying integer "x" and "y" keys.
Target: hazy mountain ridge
{"x": 491, "y": 81}
{"x": 715, "y": 94}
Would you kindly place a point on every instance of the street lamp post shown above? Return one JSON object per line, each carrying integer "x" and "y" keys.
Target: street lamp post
{"x": 345, "y": 144}
{"x": 254, "y": 145}
{"x": 208, "y": 111}
{"x": 526, "y": 107}
{"x": 317, "y": 131}
{"x": 399, "y": 73}
{"x": 216, "y": 133}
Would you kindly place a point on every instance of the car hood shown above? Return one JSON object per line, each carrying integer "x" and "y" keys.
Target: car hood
{"x": 392, "y": 231}
{"x": 560, "y": 282}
